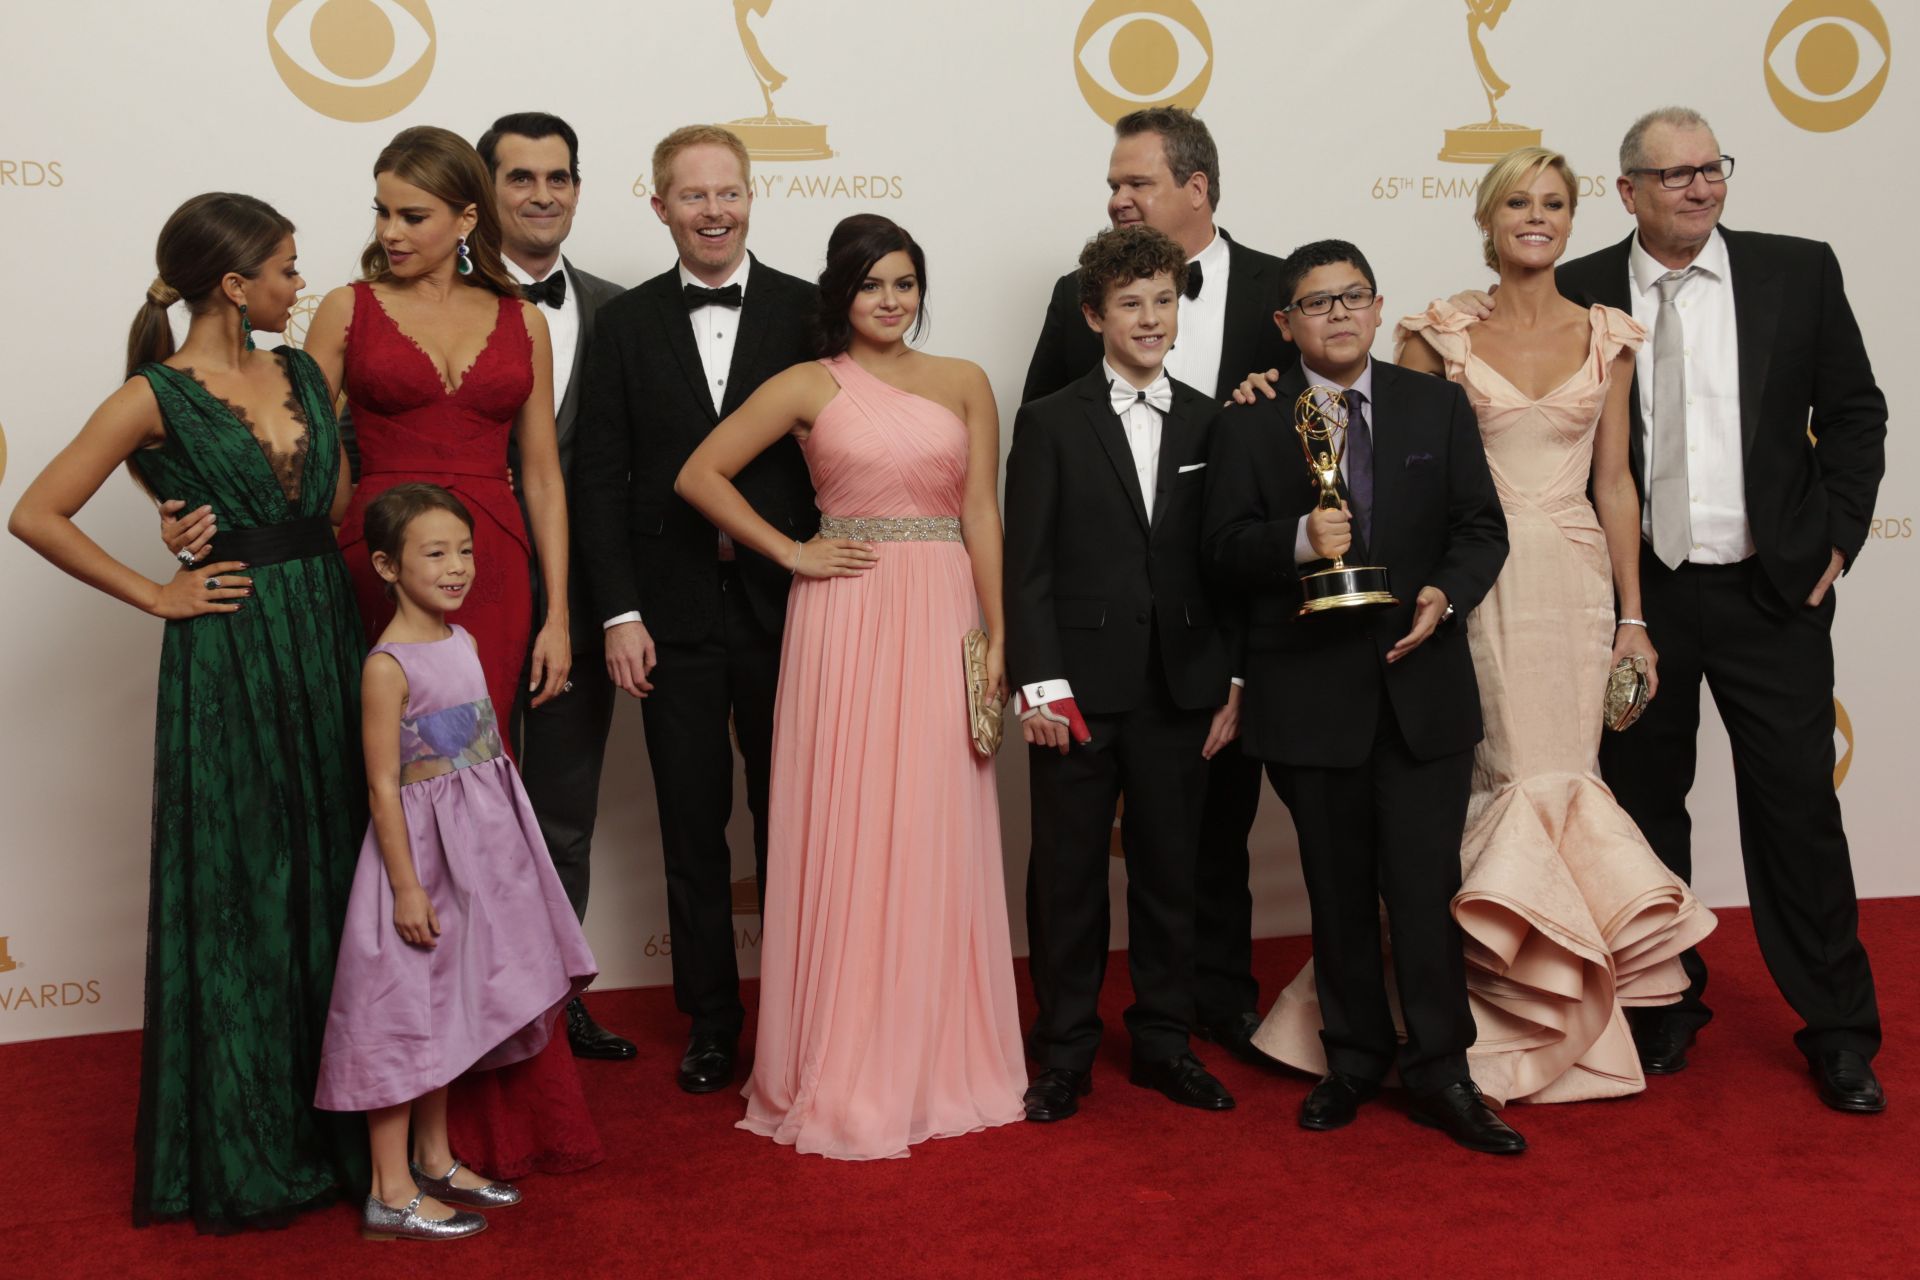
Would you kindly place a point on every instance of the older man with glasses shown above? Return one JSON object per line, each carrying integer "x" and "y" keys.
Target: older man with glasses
{"x": 1758, "y": 445}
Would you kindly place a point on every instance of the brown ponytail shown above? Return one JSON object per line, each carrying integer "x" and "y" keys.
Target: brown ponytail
{"x": 207, "y": 237}
{"x": 444, "y": 165}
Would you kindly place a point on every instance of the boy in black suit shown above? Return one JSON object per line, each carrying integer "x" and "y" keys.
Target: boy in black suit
{"x": 1367, "y": 718}
{"x": 1125, "y": 672}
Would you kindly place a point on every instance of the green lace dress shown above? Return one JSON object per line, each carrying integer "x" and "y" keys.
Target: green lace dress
{"x": 259, "y": 805}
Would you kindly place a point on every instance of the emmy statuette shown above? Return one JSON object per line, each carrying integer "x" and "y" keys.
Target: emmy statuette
{"x": 1320, "y": 418}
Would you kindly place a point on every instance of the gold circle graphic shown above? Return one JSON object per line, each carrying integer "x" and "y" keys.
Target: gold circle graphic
{"x": 1844, "y": 723}
{"x": 298, "y": 318}
{"x": 353, "y": 40}
{"x": 1143, "y": 56}
{"x": 1825, "y": 61}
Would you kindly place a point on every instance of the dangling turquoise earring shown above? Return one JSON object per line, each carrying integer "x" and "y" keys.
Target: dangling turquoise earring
{"x": 246, "y": 326}
{"x": 465, "y": 265}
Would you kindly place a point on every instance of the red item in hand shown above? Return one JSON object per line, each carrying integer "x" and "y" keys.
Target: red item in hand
{"x": 1065, "y": 711}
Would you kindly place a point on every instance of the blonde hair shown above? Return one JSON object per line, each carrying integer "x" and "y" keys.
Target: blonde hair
{"x": 1514, "y": 170}
{"x": 695, "y": 135}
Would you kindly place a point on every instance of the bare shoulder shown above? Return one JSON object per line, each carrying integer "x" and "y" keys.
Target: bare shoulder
{"x": 535, "y": 322}
{"x": 383, "y": 675}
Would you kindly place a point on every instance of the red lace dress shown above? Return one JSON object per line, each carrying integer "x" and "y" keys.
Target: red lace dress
{"x": 410, "y": 427}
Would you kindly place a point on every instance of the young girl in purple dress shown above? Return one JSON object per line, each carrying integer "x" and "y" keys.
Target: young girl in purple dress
{"x": 460, "y": 949}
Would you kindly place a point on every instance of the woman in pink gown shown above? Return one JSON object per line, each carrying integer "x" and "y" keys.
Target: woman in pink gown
{"x": 1567, "y": 913}
{"x": 887, "y": 1011}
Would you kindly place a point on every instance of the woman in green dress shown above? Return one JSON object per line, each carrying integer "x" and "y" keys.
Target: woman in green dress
{"x": 259, "y": 802}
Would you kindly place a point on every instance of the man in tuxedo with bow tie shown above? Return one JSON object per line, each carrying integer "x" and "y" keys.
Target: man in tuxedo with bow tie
{"x": 1164, "y": 173}
{"x": 1367, "y": 717}
{"x": 1124, "y": 662}
{"x": 534, "y": 158}
{"x": 692, "y": 622}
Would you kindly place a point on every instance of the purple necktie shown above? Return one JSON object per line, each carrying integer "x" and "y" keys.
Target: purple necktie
{"x": 1359, "y": 465}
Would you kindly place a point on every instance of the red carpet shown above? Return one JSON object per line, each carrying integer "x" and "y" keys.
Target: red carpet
{"x": 1730, "y": 1168}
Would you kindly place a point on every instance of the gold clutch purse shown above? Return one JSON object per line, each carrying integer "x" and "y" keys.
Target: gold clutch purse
{"x": 983, "y": 711}
{"x": 1626, "y": 693}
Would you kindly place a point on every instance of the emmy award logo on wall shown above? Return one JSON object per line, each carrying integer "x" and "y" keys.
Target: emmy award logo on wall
{"x": 1827, "y": 61}
{"x": 1130, "y": 54}
{"x": 353, "y": 60}
{"x": 1493, "y": 137}
{"x": 298, "y": 318}
{"x": 772, "y": 136}
{"x": 7, "y": 962}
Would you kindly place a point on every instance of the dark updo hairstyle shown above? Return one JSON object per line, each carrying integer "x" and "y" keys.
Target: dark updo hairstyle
{"x": 855, "y": 245}
{"x": 445, "y": 166}
{"x": 1120, "y": 255}
{"x": 207, "y": 237}
{"x": 387, "y": 517}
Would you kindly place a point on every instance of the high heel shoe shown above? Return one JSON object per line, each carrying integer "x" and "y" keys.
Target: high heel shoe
{"x": 381, "y": 1221}
{"x": 495, "y": 1195}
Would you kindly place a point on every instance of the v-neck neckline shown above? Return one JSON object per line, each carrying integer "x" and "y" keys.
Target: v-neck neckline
{"x": 447, "y": 390}
{"x": 302, "y": 447}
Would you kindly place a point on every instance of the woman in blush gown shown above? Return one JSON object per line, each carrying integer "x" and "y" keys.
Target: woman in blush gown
{"x": 1567, "y": 912}
{"x": 442, "y": 362}
{"x": 887, "y": 1011}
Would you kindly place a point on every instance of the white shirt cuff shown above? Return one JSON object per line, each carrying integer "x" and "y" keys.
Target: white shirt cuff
{"x": 1238, "y": 682}
{"x": 631, "y": 615}
{"x": 1303, "y": 552}
{"x": 1042, "y": 692}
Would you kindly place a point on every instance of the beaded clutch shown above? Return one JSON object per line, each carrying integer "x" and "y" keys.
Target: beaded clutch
{"x": 983, "y": 710}
{"x": 1626, "y": 695}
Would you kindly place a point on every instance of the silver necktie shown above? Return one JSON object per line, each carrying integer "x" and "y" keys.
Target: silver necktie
{"x": 1668, "y": 495}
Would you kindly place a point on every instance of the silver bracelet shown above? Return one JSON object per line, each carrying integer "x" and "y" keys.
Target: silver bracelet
{"x": 797, "y": 549}
{"x": 1629, "y": 622}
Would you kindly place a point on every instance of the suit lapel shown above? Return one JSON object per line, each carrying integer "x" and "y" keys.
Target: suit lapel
{"x": 1177, "y": 429}
{"x": 570, "y": 403}
{"x": 679, "y": 329}
{"x": 1242, "y": 317}
{"x": 756, "y": 317}
{"x": 1389, "y": 459}
{"x": 1756, "y": 309}
{"x": 1113, "y": 440}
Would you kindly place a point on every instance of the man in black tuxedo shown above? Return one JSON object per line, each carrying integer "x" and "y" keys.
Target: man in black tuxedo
{"x": 1165, "y": 172}
{"x": 1761, "y": 504}
{"x": 692, "y": 622}
{"x": 534, "y": 158}
{"x": 1124, "y": 662}
{"x": 1367, "y": 718}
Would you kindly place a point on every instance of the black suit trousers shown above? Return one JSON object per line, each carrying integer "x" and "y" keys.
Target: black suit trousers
{"x": 1386, "y": 831}
{"x": 1770, "y": 667}
{"x": 562, "y": 746}
{"x": 1151, "y": 755}
{"x": 1223, "y": 981}
{"x": 696, "y": 687}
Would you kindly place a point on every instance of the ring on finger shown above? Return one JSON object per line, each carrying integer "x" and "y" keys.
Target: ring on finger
{"x": 213, "y": 584}
{"x": 185, "y": 557}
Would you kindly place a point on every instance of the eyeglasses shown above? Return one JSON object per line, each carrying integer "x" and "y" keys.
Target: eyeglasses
{"x": 1681, "y": 175}
{"x": 1318, "y": 304}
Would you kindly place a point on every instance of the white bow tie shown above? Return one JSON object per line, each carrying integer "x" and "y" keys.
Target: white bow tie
{"x": 1158, "y": 396}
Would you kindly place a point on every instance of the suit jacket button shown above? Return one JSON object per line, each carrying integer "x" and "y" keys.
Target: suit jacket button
{"x": 1140, "y": 618}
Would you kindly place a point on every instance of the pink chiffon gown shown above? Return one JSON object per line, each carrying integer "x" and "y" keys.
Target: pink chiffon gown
{"x": 1567, "y": 912}
{"x": 887, "y": 1011}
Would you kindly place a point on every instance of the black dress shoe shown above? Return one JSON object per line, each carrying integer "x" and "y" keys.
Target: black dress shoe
{"x": 708, "y": 1062}
{"x": 1055, "y": 1094}
{"x": 1663, "y": 1044}
{"x": 1334, "y": 1102}
{"x": 1847, "y": 1082}
{"x": 1459, "y": 1112}
{"x": 1184, "y": 1081}
{"x": 591, "y": 1040}
{"x": 1235, "y": 1035}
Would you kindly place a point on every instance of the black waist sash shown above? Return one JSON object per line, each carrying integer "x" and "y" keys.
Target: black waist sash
{"x": 300, "y": 539}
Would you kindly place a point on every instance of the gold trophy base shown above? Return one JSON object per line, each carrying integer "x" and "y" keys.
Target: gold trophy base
{"x": 1348, "y": 586}
{"x": 781, "y": 138}
{"x": 1485, "y": 143}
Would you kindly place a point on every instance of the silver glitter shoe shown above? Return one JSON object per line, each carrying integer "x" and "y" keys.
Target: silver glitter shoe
{"x": 495, "y": 1195}
{"x": 380, "y": 1221}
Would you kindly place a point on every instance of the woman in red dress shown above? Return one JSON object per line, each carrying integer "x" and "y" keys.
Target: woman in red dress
{"x": 442, "y": 363}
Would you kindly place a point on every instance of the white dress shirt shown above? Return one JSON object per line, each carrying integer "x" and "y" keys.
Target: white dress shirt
{"x": 1303, "y": 552}
{"x": 563, "y": 325}
{"x": 715, "y": 330}
{"x": 1195, "y": 358}
{"x": 1716, "y": 468}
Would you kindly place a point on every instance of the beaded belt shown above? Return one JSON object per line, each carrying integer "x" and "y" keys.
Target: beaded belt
{"x": 892, "y": 528}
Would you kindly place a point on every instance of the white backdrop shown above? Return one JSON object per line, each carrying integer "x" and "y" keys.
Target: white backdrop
{"x": 981, "y": 126}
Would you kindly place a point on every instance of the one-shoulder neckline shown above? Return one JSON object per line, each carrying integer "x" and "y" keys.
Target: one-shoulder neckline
{"x": 843, "y": 360}
{"x": 1595, "y": 320}
{"x": 448, "y": 390}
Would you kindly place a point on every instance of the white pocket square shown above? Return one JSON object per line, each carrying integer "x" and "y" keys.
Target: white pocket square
{"x": 1192, "y": 466}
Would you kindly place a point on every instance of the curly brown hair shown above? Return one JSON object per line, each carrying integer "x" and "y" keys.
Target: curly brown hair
{"x": 1121, "y": 255}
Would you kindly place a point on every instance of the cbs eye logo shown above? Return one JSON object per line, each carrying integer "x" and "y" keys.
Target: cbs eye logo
{"x": 1843, "y": 746}
{"x": 1130, "y": 54}
{"x": 1827, "y": 61}
{"x": 354, "y": 60}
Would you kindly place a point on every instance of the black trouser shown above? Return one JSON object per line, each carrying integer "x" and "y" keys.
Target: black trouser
{"x": 1223, "y": 982}
{"x": 562, "y": 745}
{"x": 1151, "y": 755}
{"x": 1770, "y": 667}
{"x": 695, "y": 688}
{"x": 1387, "y": 830}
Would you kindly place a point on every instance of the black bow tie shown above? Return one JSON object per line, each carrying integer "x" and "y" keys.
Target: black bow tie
{"x": 551, "y": 292}
{"x": 1195, "y": 278}
{"x": 697, "y": 297}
